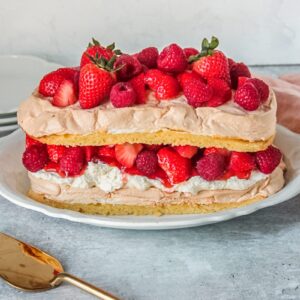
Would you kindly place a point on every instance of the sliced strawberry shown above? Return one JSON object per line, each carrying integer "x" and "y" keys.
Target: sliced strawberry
{"x": 55, "y": 152}
{"x": 90, "y": 152}
{"x": 241, "y": 162}
{"x": 65, "y": 94}
{"x": 221, "y": 151}
{"x": 186, "y": 151}
{"x": 126, "y": 153}
{"x": 106, "y": 151}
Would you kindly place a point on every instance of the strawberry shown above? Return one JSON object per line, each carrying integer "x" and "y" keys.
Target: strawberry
{"x": 267, "y": 160}
{"x": 122, "y": 94}
{"x": 261, "y": 87}
{"x": 177, "y": 168}
{"x": 29, "y": 141}
{"x": 210, "y": 62}
{"x": 126, "y": 153}
{"x": 106, "y": 151}
{"x": 247, "y": 97}
{"x": 68, "y": 73}
{"x": 186, "y": 151}
{"x": 190, "y": 52}
{"x": 90, "y": 152}
{"x": 221, "y": 151}
{"x": 197, "y": 92}
{"x": 211, "y": 167}
{"x": 185, "y": 77}
{"x": 138, "y": 84}
{"x": 35, "y": 157}
{"x": 95, "y": 49}
{"x": 127, "y": 66}
{"x": 73, "y": 161}
{"x": 55, "y": 152}
{"x": 172, "y": 59}
{"x": 164, "y": 85}
{"x": 153, "y": 147}
{"x": 237, "y": 70}
{"x": 148, "y": 57}
{"x": 147, "y": 162}
{"x": 221, "y": 92}
{"x": 65, "y": 94}
{"x": 95, "y": 82}
{"x": 241, "y": 164}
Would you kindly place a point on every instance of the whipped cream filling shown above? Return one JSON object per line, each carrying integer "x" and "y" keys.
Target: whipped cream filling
{"x": 109, "y": 179}
{"x": 38, "y": 117}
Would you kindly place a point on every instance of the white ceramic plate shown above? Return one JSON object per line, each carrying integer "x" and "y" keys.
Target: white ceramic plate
{"x": 14, "y": 185}
{"x": 19, "y": 75}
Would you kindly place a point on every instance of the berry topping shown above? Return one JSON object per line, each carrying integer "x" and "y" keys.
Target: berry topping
{"x": 268, "y": 159}
{"x": 95, "y": 83}
{"x": 89, "y": 153}
{"x": 247, "y": 97}
{"x": 177, "y": 168}
{"x": 172, "y": 59}
{"x": 147, "y": 162}
{"x": 106, "y": 151}
{"x": 190, "y": 51}
{"x": 65, "y": 95}
{"x": 221, "y": 151}
{"x": 50, "y": 83}
{"x": 187, "y": 76}
{"x": 95, "y": 49}
{"x": 210, "y": 62}
{"x": 241, "y": 164}
{"x": 237, "y": 70}
{"x": 138, "y": 83}
{"x": 122, "y": 94}
{"x": 148, "y": 57}
{"x": 72, "y": 162}
{"x": 29, "y": 141}
{"x": 126, "y": 153}
{"x": 35, "y": 158}
{"x": 186, "y": 151}
{"x": 127, "y": 67}
{"x": 55, "y": 152}
{"x": 221, "y": 92}
{"x": 164, "y": 85}
{"x": 211, "y": 167}
{"x": 261, "y": 87}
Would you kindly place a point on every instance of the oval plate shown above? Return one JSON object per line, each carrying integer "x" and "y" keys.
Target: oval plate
{"x": 14, "y": 184}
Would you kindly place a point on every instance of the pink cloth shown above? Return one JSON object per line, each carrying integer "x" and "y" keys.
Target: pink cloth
{"x": 287, "y": 90}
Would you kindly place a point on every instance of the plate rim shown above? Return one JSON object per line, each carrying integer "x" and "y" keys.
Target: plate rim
{"x": 148, "y": 222}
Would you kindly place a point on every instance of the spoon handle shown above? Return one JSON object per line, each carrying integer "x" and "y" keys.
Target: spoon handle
{"x": 83, "y": 285}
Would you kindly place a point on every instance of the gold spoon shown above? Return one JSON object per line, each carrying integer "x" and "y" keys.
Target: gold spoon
{"x": 30, "y": 269}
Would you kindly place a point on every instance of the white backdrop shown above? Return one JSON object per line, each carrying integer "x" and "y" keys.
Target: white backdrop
{"x": 256, "y": 31}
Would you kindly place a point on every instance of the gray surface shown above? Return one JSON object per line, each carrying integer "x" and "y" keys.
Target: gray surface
{"x": 252, "y": 257}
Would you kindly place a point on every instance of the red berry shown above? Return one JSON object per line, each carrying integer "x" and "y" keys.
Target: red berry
{"x": 221, "y": 92}
{"x": 164, "y": 85}
{"x": 197, "y": 92}
{"x": 148, "y": 57}
{"x": 35, "y": 157}
{"x": 153, "y": 147}
{"x": 29, "y": 141}
{"x": 106, "y": 151}
{"x": 172, "y": 59}
{"x": 72, "y": 162}
{"x": 89, "y": 152}
{"x": 94, "y": 85}
{"x": 176, "y": 167}
{"x": 122, "y": 94}
{"x": 190, "y": 51}
{"x": 55, "y": 152}
{"x": 65, "y": 95}
{"x": 69, "y": 73}
{"x": 267, "y": 160}
{"x": 186, "y": 151}
{"x": 129, "y": 67}
{"x": 211, "y": 167}
{"x": 241, "y": 162}
{"x": 247, "y": 97}
{"x": 238, "y": 70}
{"x": 241, "y": 81}
{"x": 50, "y": 83}
{"x": 126, "y": 153}
{"x": 138, "y": 84}
{"x": 147, "y": 162}
{"x": 261, "y": 87}
{"x": 221, "y": 151}
{"x": 187, "y": 76}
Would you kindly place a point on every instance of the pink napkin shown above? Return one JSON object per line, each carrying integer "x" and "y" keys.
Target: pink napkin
{"x": 287, "y": 90}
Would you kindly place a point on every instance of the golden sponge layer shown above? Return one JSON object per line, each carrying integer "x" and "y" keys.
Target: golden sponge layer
{"x": 167, "y": 137}
{"x": 139, "y": 210}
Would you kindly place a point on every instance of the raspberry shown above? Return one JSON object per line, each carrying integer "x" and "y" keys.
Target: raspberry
{"x": 29, "y": 141}
{"x": 172, "y": 59}
{"x": 72, "y": 162}
{"x": 190, "y": 51}
{"x": 148, "y": 57}
{"x": 247, "y": 97}
{"x": 129, "y": 67}
{"x": 147, "y": 162}
{"x": 268, "y": 159}
{"x": 261, "y": 87}
{"x": 35, "y": 158}
{"x": 138, "y": 84}
{"x": 211, "y": 167}
{"x": 122, "y": 94}
{"x": 55, "y": 152}
{"x": 238, "y": 70}
{"x": 197, "y": 92}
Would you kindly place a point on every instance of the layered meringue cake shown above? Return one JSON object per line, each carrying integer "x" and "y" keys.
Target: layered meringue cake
{"x": 172, "y": 132}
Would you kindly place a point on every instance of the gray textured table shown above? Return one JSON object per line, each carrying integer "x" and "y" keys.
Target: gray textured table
{"x": 252, "y": 257}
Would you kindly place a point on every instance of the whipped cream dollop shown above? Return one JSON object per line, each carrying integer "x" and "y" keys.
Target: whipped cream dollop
{"x": 38, "y": 117}
{"x": 109, "y": 179}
